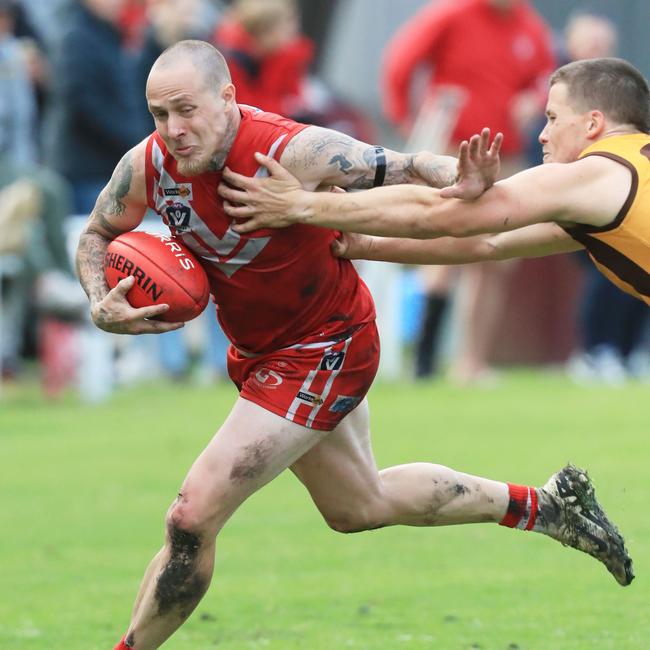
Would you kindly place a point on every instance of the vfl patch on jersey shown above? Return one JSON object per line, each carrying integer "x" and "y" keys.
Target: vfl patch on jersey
{"x": 178, "y": 216}
{"x": 184, "y": 191}
{"x": 344, "y": 403}
{"x": 268, "y": 378}
{"x": 304, "y": 396}
{"x": 332, "y": 361}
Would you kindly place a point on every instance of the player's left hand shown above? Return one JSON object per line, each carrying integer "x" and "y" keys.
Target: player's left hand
{"x": 478, "y": 166}
{"x": 271, "y": 202}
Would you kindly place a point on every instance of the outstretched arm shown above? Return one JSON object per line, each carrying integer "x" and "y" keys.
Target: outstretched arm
{"x": 537, "y": 240}
{"x": 478, "y": 166}
{"x": 120, "y": 207}
{"x": 321, "y": 158}
{"x": 591, "y": 190}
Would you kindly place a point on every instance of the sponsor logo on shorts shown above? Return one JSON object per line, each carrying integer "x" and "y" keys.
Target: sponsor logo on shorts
{"x": 344, "y": 403}
{"x": 316, "y": 400}
{"x": 184, "y": 191}
{"x": 178, "y": 216}
{"x": 268, "y": 378}
{"x": 332, "y": 361}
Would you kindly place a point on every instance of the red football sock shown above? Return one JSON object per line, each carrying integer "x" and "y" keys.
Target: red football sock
{"x": 122, "y": 645}
{"x": 522, "y": 509}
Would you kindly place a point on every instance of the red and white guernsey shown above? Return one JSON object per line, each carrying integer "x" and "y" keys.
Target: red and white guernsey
{"x": 273, "y": 288}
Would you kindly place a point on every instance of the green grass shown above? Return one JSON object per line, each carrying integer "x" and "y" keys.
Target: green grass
{"x": 85, "y": 490}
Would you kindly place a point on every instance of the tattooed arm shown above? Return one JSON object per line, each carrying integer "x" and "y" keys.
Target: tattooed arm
{"x": 120, "y": 207}
{"x": 319, "y": 158}
{"x": 322, "y": 157}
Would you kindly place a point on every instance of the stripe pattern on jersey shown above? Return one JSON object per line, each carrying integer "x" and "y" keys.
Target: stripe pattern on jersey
{"x": 228, "y": 253}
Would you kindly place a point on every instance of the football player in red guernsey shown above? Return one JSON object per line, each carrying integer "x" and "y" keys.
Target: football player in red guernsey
{"x": 304, "y": 344}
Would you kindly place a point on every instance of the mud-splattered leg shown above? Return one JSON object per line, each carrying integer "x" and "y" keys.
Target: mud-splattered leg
{"x": 251, "y": 448}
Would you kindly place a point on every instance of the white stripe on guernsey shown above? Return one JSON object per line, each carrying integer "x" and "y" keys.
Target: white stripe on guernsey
{"x": 157, "y": 157}
{"x": 523, "y": 522}
{"x": 223, "y": 246}
{"x": 328, "y": 386}
{"x": 297, "y": 403}
{"x": 213, "y": 244}
{"x": 263, "y": 171}
{"x": 311, "y": 346}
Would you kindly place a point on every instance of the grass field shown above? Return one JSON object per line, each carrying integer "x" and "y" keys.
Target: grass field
{"x": 85, "y": 490}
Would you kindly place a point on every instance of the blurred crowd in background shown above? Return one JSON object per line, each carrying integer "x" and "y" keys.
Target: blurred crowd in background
{"x": 72, "y": 102}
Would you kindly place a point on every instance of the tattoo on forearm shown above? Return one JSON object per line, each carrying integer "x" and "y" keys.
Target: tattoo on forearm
{"x": 439, "y": 171}
{"x": 93, "y": 243}
{"x": 90, "y": 265}
{"x": 110, "y": 200}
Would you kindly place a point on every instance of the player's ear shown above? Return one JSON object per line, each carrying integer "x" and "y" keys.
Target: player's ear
{"x": 228, "y": 94}
{"x": 595, "y": 125}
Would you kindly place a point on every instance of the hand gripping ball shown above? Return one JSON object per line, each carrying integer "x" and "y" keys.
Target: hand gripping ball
{"x": 165, "y": 271}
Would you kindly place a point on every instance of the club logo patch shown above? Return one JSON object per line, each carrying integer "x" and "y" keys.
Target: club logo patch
{"x": 268, "y": 378}
{"x": 332, "y": 361}
{"x": 178, "y": 216}
{"x": 344, "y": 404}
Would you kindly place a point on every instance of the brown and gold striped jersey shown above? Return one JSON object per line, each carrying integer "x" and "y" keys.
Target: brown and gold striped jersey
{"x": 621, "y": 249}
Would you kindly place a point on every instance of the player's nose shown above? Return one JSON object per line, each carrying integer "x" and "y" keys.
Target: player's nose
{"x": 175, "y": 127}
{"x": 543, "y": 137}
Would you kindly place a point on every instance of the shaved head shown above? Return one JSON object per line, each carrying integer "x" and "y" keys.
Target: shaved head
{"x": 193, "y": 104}
{"x": 204, "y": 58}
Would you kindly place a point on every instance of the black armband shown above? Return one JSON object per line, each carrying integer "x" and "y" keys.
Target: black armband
{"x": 380, "y": 170}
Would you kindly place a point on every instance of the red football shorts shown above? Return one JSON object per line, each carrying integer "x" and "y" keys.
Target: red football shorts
{"x": 313, "y": 384}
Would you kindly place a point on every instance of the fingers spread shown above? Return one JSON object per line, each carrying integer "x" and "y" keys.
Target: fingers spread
{"x": 123, "y": 286}
{"x": 272, "y": 165}
{"x": 453, "y": 192}
{"x": 238, "y": 211}
{"x": 150, "y": 312}
{"x": 159, "y": 327}
{"x": 474, "y": 144}
{"x": 246, "y": 226}
{"x": 232, "y": 194}
{"x": 496, "y": 144}
{"x": 463, "y": 153}
{"x": 238, "y": 180}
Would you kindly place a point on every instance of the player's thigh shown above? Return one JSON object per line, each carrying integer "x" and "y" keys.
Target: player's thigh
{"x": 340, "y": 471}
{"x": 250, "y": 449}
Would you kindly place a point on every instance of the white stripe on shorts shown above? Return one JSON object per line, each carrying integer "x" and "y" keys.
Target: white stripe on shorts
{"x": 328, "y": 385}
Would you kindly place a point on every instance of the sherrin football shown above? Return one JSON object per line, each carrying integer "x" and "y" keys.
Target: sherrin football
{"x": 165, "y": 272}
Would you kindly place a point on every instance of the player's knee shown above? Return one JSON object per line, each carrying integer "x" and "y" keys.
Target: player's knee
{"x": 348, "y": 522}
{"x": 187, "y": 515}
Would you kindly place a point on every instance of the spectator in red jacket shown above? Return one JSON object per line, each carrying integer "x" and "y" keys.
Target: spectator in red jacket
{"x": 488, "y": 62}
{"x": 267, "y": 56}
